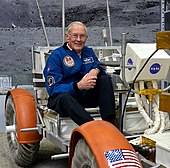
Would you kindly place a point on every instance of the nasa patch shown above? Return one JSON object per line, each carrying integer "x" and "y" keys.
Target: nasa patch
{"x": 50, "y": 80}
{"x": 155, "y": 68}
{"x": 88, "y": 60}
{"x": 68, "y": 61}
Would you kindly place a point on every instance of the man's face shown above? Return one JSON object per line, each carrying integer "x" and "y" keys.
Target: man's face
{"x": 76, "y": 37}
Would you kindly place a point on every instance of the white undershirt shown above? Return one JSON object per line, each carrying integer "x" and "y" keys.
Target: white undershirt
{"x": 79, "y": 54}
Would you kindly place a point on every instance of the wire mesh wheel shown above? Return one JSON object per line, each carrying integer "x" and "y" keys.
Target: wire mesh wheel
{"x": 23, "y": 154}
{"x": 83, "y": 156}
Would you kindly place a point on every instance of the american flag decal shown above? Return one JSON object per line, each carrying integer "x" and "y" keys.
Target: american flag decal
{"x": 119, "y": 158}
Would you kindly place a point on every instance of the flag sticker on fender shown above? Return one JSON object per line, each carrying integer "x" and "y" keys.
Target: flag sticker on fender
{"x": 122, "y": 158}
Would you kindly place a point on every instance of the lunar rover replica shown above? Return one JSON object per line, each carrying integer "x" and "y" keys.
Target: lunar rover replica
{"x": 28, "y": 119}
{"x": 141, "y": 139}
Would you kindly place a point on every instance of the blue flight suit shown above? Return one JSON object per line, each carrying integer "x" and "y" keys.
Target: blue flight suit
{"x": 64, "y": 68}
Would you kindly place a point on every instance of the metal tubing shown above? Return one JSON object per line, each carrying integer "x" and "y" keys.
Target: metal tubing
{"x": 29, "y": 129}
{"x": 165, "y": 15}
{"x": 123, "y": 52}
{"x": 162, "y": 10}
{"x": 110, "y": 29}
{"x": 32, "y": 54}
{"x": 60, "y": 156}
{"x": 110, "y": 63}
{"x": 57, "y": 140}
{"x": 41, "y": 119}
{"x": 10, "y": 128}
{"x": 167, "y": 88}
{"x": 122, "y": 97}
{"x": 63, "y": 20}
{"x": 59, "y": 124}
{"x": 42, "y": 22}
{"x": 150, "y": 110}
{"x": 104, "y": 33}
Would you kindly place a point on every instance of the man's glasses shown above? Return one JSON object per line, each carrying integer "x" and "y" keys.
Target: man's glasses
{"x": 76, "y": 36}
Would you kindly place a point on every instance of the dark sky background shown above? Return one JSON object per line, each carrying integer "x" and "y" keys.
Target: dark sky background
{"x": 24, "y": 13}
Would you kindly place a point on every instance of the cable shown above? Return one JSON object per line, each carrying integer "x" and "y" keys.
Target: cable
{"x": 124, "y": 107}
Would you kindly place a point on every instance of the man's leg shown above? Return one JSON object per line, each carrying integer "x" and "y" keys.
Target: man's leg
{"x": 103, "y": 96}
{"x": 68, "y": 105}
{"x": 106, "y": 99}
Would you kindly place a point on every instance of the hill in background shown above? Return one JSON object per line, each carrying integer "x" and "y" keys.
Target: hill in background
{"x": 24, "y": 13}
{"x": 139, "y": 19}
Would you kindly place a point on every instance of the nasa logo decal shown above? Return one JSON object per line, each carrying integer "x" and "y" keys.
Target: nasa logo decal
{"x": 129, "y": 62}
{"x": 68, "y": 61}
{"x": 155, "y": 68}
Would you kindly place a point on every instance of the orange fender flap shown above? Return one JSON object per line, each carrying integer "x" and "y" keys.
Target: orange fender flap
{"x": 25, "y": 109}
{"x": 103, "y": 138}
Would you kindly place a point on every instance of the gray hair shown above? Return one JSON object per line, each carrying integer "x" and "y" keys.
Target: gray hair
{"x": 75, "y": 23}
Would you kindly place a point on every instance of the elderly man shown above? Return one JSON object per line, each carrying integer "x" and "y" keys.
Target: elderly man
{"x": 74, "y": 80}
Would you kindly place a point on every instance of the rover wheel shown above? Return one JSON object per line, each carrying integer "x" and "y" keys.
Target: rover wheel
{"x": 23, "y": 154}
{"x": 83, "y": 156}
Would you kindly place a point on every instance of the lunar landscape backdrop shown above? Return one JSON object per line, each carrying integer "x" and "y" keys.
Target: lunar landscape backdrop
{"x": 20, "y": 27}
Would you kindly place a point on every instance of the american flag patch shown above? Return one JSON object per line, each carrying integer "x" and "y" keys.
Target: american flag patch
{"x": 122, "y": 158}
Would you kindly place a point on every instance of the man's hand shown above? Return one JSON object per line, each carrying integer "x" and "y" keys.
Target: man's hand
{"x": 94, "y": 72}
{"x": 87, "y": 82}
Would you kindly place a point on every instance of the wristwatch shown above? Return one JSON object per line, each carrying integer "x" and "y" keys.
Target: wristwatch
{"x": 97, "y": 69}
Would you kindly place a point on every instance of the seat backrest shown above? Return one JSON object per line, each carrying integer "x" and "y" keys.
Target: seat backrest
{"x": 39, "y": 57}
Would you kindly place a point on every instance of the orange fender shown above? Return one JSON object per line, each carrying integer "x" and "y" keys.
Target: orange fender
{"x": 101, "y": 136}
{"x": 25, "y": 108}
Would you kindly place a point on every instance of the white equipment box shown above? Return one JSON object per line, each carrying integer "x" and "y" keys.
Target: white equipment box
{"x": 137, "y": 54}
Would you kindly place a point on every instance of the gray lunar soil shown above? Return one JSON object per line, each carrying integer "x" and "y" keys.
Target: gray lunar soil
{"x": 20, "y": 27}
